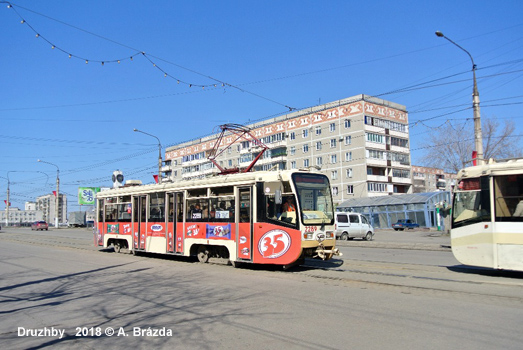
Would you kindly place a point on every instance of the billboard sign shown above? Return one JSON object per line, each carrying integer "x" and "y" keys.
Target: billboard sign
{"x": 86, "y": 195}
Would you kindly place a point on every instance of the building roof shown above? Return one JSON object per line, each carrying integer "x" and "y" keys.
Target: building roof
{"x": 413, "y": 198}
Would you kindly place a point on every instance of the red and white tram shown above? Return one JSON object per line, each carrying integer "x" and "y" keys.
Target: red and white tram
{"x": 274, "y": 217}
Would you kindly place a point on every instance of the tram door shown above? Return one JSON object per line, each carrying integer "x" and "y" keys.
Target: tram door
{"x": 175, "y": 222}
{"x": 139, "y": 223}
{"x": 245, "y": 227}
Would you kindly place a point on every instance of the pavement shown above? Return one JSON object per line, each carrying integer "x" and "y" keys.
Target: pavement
{"x": 418, "y": 239}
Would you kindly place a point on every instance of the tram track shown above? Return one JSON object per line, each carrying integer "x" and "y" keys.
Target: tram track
{"x": 438, "y": 281}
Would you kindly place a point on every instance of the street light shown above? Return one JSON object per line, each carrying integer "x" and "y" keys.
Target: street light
{"x": 478, "y": 137}
{"x": 159, "y": 154}
{"x": 57, "y": 191}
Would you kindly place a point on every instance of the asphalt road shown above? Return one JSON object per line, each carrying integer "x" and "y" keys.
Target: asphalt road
{"x": 57, "y": 281}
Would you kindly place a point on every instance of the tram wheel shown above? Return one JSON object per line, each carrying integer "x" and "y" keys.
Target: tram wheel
{"x": 203, "y": 254}
{"x": 117, "y": 247}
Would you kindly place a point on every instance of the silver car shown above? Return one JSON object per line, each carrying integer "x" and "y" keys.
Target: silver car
{"x": 353, "y": 225}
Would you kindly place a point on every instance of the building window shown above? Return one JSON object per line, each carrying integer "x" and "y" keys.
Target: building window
{"x": 401, "y": 173}
{"x": 373, "y": 154}
{"x": 318, "y": 130}
{"x": 348, "y": 140}
{"x": 293, "y": 164}
{"x": 332, "y": 127}
{"x": 349, "y": 172}
{"x": 318, "y": 145}
{"x": 395, "y": 141}
{"x": 385, "y": 123}
{"x": 293, "y": 135}
{"x": 334, "y": 174}
{"x": 348, "y": 156}
{"x": 350, "y": 189}
{"x": 319, "y": 161}
{"x": 335, "y": 191}
{"x": 376, "y": 187}
{"x": 347, "y": 123}
{"x": 230, "y": 161}
{"x": 305, "y": 133}
{"x": 305, "y": 163}
{"x": 293, "y": 150}
{"x": 333, "y": 143}
{"x": 334, "y": 159}
{"x": 377, "y": 138}
{"x": 305, "y": 148}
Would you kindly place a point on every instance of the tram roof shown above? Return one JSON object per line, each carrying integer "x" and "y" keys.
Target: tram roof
{"x": 224, "y": 180}
{"x": 493, "y": 167}
{"x": 413, "y": 198}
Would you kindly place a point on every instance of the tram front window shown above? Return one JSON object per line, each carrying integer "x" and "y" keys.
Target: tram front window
{"x": 468, "y": 208}
{"x": 315, "y": 199}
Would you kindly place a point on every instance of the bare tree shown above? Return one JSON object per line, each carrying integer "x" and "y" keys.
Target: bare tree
{"x": 450, "y": 147}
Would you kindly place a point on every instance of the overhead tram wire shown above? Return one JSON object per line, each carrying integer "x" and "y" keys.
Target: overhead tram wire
{"x": 137, "y": 52}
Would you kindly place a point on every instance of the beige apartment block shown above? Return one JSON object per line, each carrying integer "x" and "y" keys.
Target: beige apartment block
{"x": 361, "y": 143}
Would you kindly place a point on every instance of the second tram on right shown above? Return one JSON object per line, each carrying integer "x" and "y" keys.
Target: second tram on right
{"x": 487, "y": 215}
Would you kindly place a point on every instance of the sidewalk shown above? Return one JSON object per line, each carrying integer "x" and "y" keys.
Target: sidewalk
{"x": 419, "y": 239}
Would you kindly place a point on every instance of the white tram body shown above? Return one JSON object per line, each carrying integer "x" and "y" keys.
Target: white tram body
{"x": 487, "y": 215}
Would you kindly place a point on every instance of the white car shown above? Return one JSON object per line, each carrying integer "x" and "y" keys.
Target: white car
{"x": 353, "y": 225}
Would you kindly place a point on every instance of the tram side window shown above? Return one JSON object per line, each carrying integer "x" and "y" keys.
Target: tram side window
{"x": 157, "y": 207}
{"x": 111, "y": 212}
{"x": 222, "y": 209}
{"x": 197, "y": 210}
{"x": 508, "y": 199}
{"x": 281, "y": 213}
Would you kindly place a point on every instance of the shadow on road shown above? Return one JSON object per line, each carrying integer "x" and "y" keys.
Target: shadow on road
{"x": 483, "y": 271}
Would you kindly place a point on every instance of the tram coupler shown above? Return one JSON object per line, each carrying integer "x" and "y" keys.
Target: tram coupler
{"x": 326, "y": 254}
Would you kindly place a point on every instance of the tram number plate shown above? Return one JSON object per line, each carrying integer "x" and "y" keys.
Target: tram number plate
{"x": 310, "y": 229}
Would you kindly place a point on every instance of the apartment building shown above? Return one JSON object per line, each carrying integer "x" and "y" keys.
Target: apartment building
{"x": 361, "y": 143}
{"x": 426, "y": 179}
{"x": 47, "y": 204}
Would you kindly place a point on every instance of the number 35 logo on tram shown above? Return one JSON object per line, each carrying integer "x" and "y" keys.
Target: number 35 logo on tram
{"x": 274, "y": 244}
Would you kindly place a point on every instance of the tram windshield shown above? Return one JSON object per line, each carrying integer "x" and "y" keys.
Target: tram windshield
{"x": 471, "y": 203}
{"x": 315, "y": 199}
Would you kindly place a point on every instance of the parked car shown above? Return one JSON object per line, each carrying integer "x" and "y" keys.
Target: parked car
{"x": 353, "y": 225}
{"x": 404, "y": 224}
{"x": 39, "y": 225}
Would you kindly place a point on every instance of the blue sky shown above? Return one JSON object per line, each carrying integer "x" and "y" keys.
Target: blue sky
{"x": 270, "y": 54}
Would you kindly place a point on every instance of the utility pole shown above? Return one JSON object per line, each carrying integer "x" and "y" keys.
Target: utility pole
{"x": 159, "y": 154}
{"x": 478, "y": 136}
{"x": 57, "y": 199}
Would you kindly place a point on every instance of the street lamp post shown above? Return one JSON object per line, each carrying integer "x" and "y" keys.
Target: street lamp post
{"x": 57, "y": 191}
{"x": 159, "y": 154}
{"x": 478, "y": 137}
